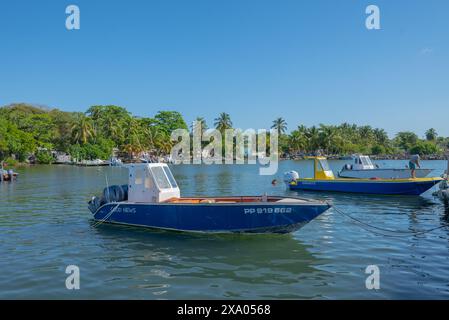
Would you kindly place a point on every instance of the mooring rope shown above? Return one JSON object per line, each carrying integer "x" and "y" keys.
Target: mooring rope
{"x": 106, "y": 216}
{"x": 395, "y": 233}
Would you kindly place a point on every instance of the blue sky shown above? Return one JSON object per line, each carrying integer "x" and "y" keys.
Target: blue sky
{"x": 309, "y": 62}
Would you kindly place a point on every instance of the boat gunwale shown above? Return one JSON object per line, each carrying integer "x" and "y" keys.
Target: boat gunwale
{"x": 306, "y": 202}
{"x": 389, "y": 169}
{"x": 368, "y": 180}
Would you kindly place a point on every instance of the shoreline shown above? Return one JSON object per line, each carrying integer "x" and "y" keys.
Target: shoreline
{"x": 375, "y": 157}
{"x": 342, "y": 158}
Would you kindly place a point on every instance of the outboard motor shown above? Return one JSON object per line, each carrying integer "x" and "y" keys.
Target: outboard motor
{"x": 290, "y": 176}
{"x": 110, "y": 194}
{"x": 94, "y": 204}
{"x": 116, "y": 193}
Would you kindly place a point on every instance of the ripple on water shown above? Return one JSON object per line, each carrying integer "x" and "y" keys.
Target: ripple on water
{"x": 45, "y": 226}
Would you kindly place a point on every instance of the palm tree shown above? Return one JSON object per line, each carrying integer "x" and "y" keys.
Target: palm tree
{"x": 280, "y": 125}
{"x": 223, "y": 122}
{"x": 326, "y": 136}
{"x": 431, "y": 134}
{"x": 201, "y": 122}
{"x": 366, "y": 133}
{"x": 380, "y": 136}
{"x": 313, "y": 136}
{"x": 133, "y": 137}
{"x": 154, "y": 137}
{"x": 82, "y": 129}
{"x": 297, "y": 141}
{"x": 165, "y": 147}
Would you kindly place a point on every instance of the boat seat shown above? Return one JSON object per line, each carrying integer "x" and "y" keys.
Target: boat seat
{"x": 207, "y": 201}
{"x": 180, "y": 200}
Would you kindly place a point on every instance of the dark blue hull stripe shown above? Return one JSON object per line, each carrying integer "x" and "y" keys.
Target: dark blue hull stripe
{"x": 258, "y": 218}
{"x": 393, "y": 188}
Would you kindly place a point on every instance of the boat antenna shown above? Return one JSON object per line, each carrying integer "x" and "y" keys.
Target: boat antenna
{"x": 107, "y": 185}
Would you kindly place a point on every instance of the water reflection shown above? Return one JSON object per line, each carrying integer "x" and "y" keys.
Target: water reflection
{"x": 261, "y": 260}
{"x": 445, "y": 217}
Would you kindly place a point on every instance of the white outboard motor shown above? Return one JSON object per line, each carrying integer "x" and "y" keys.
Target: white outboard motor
{"x": 290, "y": 176}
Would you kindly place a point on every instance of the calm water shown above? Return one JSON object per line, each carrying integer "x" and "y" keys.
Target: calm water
{"x": 46, "y": 226}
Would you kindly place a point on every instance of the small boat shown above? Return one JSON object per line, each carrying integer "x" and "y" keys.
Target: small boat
{"x": 324, "y": 180}
{"x": 8, "y": 176}
{"x": 92, "y": 163}
{"x": 363, "y": 168}
{"x": 115, "y": 162}
{"x": 152, "y": 199}
{"x": 443, "y": 190}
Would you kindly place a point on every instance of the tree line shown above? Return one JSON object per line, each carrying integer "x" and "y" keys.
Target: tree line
{"x": 29, "y": 130}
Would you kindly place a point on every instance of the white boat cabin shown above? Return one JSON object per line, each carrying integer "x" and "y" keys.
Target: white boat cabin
{"x": 151, "y": 182}
{"x": 362, "y": 163}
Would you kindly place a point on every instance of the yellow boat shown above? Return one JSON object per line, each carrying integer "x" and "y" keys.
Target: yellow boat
{"x": 324, "y": 180}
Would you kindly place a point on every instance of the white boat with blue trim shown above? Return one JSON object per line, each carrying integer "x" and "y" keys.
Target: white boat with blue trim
{"x": 363, "y": 168}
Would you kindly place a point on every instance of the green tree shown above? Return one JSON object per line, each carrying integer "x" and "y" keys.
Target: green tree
{"x": 223, "y": 122}
{"x": 44, "y": 157}
{"x": 15, "y": 142}
{"x": 380, "y": 136}
{"x": 109, "y": 121}
{"x": 280, "y": 125}
{"x": 406, "y": 139}
{"x": 201, "y": 122}
{"x": 424, "y": 148}
{"x": 297, "y": 141}
{"x": 170, "y": 120}
{"x": 431, "y": 134}
{"x": 378, "y": 149}
{"x": 313, "y": 137}
{"x": 82, "y": 129}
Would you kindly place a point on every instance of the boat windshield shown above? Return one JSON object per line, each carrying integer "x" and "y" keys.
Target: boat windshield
{"x": 170, "y": 177}
{"x": 160, "y": 177}
{"x": 324, "y": 165}
{"x": 366, "y": 161}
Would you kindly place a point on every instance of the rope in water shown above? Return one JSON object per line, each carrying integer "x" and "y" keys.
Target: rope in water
{"x": 395, "y": 233}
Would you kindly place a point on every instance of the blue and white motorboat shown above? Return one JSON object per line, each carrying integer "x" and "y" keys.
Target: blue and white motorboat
{"x": 152, "y": 199}
{"x": 363, "y": 168}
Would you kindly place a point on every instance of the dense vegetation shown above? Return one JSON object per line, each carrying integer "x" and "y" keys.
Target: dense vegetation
{"x": 28, "y": 130}
{"x": 350, "y": 138}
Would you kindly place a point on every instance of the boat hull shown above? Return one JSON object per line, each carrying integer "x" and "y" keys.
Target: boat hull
{"x": 213, "y": 218}
{"x": 7, "y": 177}
{"x": 403, "y": 187}
{"x": 383, "y": 173}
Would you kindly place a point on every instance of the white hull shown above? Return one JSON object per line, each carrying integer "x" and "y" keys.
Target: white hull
{"x": 383, "y": 173}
